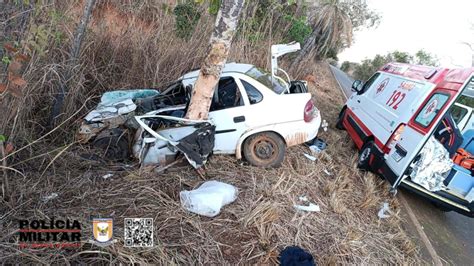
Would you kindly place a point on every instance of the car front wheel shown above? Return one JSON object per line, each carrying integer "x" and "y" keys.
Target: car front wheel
{"x": 266, "y": 149}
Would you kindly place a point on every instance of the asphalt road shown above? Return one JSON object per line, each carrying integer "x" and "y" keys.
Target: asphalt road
{"x": 450, "y": 234}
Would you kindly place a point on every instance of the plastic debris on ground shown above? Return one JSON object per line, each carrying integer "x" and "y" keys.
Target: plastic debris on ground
{"x": 317, "y": 145}
{"x": 294, "y": 255}
{"x": 107, "y": 176}
{"x": 384, "y": 212}
{"x": 432, "y": 167}
{"x": 51, "y": 196}
{"x": 325, "y": 125}
{"x": 209, "y": 198}
{"x": 312, "y": 158}
{"x": 307, "y": 205}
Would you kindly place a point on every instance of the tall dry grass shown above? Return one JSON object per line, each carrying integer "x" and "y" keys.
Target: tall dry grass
{"x": 142, "y": 51}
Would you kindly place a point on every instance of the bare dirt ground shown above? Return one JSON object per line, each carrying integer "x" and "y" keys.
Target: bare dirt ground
{"x": 253, "y": 229}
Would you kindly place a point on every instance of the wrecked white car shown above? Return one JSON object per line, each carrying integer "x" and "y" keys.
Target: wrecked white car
{"x": 253, "y": 114}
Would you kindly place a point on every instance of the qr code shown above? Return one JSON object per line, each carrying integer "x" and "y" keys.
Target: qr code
{"x": 138, "y": 232}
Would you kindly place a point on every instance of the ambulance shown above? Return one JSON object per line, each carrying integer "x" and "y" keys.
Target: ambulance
{"x": 404, "y": 121}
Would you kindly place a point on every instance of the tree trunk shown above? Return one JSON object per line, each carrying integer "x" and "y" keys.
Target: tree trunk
{"x": 75, "y": 53}
{"x": 226, "y": 24}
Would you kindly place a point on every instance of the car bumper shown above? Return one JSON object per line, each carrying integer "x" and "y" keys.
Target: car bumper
{"x": 299, "y": 132}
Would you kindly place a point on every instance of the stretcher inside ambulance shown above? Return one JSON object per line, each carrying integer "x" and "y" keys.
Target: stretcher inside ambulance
{"x": 412, "y": 125}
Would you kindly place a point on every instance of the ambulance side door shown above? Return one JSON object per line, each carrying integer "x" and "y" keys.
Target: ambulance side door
{"x": 419, "y": 129}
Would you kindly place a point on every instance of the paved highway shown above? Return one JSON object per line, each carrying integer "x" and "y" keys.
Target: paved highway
{"x": 450, "y": 236}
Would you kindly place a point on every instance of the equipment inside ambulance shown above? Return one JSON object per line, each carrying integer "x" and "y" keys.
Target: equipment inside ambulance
{"x": 412, "y": 125}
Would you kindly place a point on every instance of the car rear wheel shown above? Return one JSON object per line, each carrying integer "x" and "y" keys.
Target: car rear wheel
{"x": 265, "y": 149}
{"x": 340, "y": 119}
{"x": 364, "y": 156}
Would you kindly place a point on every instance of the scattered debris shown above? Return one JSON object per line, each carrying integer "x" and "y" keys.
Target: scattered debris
{"x": 325, "y": 125}
{"x": 107, "y": 176}
{"x": 317, "y": 145}
{"x": 312, "y": 158}
{"x": 209, "y": 198}
{"x": 308, "y": 206}
{"x": 295, "y": 256}
{"x": 52, "y": 196}
{"x": 303, "y": 198}
{"x": 385, "y": 209}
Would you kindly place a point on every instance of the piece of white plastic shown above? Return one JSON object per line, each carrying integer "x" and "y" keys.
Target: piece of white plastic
{"x": 209, "y": 198}
{"x": 310, "y": 208}
{"x": 325, "y": 125}
{"x": 312, "y": 158}
{"x": 107, "y": 176}
{"x": 52, "y": 196}
{"x": 385, "y": 209}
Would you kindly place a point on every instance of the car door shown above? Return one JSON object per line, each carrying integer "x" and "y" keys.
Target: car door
{"x": 418, "y": 131}
{"x": 228, "y": 113}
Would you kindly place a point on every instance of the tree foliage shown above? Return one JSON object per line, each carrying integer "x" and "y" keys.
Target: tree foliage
{"x": 187, "y": 16}
{"x": 368, "y": 67}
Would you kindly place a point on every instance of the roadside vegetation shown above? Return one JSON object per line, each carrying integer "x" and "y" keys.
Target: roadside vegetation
{"x": 364, "y": 70}
{"x": 143, "y": 44}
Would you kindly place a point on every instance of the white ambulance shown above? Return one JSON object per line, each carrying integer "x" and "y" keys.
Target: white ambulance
{"x": 395, "y": 115}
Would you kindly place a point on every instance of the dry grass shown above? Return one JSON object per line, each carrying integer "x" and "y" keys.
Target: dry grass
{"x": 253, "y": 229}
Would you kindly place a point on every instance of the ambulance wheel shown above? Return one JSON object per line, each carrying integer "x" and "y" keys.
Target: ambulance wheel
{"x": 340, "y": 119}
{"x": 266, "y": 149}
{"x": 364, "y": 156}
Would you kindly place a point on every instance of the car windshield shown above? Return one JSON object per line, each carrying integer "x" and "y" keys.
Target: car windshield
{"x": 277, "y": 85}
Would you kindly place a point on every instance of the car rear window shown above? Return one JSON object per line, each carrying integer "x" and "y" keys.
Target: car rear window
{"x": 266, "y": 79}
{"x": 431, "y": 109}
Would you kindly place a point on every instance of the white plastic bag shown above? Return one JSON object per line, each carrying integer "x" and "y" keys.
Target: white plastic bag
{"x": 209, "y": 198}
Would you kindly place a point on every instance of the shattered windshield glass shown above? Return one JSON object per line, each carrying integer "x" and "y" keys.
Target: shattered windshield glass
{"x": 278, "y": 86}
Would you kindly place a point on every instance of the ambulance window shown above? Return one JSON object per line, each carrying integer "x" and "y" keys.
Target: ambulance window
{"x": 369, "y": 82}
{"x": 431, "y": 109}
{"x": 458, "y": 112}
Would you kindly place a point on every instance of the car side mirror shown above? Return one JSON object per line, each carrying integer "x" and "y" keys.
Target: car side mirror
{"x": 357, "y": 86}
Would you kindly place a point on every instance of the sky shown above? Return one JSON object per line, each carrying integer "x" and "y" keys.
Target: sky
{"x": 436, "y": 26}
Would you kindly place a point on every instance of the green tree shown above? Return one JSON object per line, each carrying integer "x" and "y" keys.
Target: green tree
{"x": 333, "y": 24}
{"x": 368, "y": 67}
{"x": 400, "y": 57}
{"x": 425, "y": 58}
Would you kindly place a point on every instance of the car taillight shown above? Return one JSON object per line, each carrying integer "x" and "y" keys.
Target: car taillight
{"x": 309, "y": 111}
{"x": 394, "y": 138}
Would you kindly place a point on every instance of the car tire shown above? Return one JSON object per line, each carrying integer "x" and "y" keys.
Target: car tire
{"x": 340, "y": 119}
{"x": 364, "y": 156}
{"x": 113, "y": 145}
{"x": 266, "y": 149}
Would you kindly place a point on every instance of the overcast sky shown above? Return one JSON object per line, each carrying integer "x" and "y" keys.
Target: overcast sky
{"x": 436, "y": 26}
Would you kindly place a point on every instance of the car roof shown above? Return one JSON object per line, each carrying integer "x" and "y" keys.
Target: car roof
{"x": 229, "y": 67}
